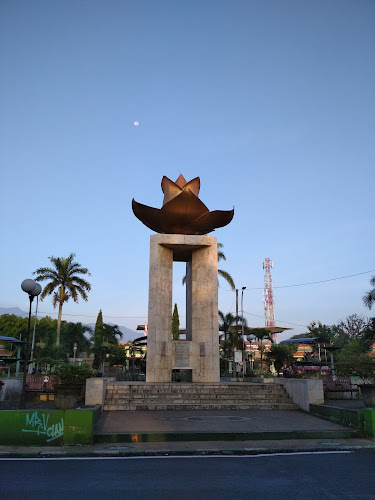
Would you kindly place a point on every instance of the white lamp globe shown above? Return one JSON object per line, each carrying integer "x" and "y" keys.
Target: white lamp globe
{"x": 37, "y": 290}
{"x": 28, "y": 285}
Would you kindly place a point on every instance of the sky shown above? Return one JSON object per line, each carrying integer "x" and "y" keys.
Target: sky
{"x": 270, "y": 102}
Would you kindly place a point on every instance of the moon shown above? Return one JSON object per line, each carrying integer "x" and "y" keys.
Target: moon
{"x": 136, "y": 124}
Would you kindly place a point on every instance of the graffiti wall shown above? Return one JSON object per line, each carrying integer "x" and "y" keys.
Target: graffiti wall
{"x": 47, "y": 427}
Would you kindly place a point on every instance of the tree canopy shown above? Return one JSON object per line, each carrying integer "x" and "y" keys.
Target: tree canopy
{"x": 175, "y": 324}
{"x": 64, "y": 283}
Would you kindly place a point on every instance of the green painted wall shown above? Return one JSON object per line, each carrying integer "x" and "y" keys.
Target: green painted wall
{"x": 47, "y": 427}
{"x": 360, "y": 419}
{"x": 369, "y": 421}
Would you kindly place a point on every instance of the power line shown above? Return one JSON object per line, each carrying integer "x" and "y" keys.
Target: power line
{"x": 278, "y": 321}
{"x": 95, "y": 315}
{"x": 308, "y": 283}
{"x": 255, "y": 288}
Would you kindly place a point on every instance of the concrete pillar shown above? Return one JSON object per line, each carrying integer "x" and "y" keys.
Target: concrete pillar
{"x": 200, "y": 352}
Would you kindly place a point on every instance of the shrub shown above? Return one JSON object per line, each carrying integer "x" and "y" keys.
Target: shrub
{"x": 71, "y": 375}
{"x": 355, "y": 365}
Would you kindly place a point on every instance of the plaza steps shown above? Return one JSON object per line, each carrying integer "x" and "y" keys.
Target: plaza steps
{"x": 189, "y": 396}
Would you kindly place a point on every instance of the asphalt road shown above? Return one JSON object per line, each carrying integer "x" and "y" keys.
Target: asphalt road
{"x": 320, "y": 475}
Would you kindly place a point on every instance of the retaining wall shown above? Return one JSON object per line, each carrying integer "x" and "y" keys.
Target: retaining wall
{"x": 48, "y": 427}
{"x": 304, "y": 392}
{"x": 362, "y": 419}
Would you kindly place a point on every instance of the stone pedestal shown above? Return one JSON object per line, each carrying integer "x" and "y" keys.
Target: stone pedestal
{"x": 200, "y": 351}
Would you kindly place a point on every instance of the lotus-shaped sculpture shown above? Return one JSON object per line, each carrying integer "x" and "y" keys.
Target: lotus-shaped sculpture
{"x": 182, "y": 211}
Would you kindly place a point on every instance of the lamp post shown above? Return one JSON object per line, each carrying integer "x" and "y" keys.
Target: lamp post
{"x": 33, "y": 289}
{"x": 33, "y": 339}
{"x": 75, "y": 347}
{"x": 250, "y": 338}
{"x": 243, "y": 335}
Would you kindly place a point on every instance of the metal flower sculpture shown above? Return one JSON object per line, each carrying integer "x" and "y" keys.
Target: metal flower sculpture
{"x": 182, "y": 211}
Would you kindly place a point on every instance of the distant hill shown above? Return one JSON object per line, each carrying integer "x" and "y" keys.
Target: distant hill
{"x": 126, "y": 332}
{"x": 13, "y": 310}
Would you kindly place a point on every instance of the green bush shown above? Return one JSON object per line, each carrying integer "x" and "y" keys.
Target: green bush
{"x": 263, "y": 373}
{"x": 355, "y": 365}
{"x": 71, "y": 375}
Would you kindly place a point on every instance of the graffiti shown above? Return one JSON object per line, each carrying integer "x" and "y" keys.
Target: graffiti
{"x": 40, "y": 426}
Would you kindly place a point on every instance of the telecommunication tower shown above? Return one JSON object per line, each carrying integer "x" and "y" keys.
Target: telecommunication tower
{"x": 269, "y": 303}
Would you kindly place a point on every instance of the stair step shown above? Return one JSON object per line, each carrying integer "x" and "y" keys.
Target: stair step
{"x": 172, "y": 396}
{"x": 182, "y": 406}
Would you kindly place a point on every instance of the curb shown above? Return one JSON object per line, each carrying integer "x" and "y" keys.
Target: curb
{"x": 158, "y": 437}
{"x": 178, "y": 452}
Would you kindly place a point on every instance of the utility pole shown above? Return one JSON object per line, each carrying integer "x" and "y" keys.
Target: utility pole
{"x": 236, "y": 344}
{"x": 236, "y": 317}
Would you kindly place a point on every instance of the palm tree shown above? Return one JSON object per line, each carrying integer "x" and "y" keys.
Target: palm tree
{"x": 261, "y": 334}
{"x": 224, "y": 274}
{"x": 228, "y": 325}
{"x": 104, "y": 341}
{"x": 64, "y": 283}
{"x": 368, "y": 298}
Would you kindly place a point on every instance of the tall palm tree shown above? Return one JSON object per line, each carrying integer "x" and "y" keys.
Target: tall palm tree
{"x": 64, "y": 283}
{"x": 224, "y": 274}
{"x": 368, "y": 299}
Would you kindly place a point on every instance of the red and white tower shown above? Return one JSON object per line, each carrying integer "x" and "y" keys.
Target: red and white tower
{"x": 269, "y": 303}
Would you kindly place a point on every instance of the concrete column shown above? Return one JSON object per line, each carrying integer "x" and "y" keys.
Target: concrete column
{"x": 200, "y": 352}
{"x": 159, "y": 345}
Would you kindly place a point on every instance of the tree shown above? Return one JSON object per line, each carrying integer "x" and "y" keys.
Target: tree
{"x": 175, "y": 324}
{"x": 132, "y": 347}
{"x": 355, "y": 364}
{"x": 64, "y": 283}
{"x": 353, "y": 326}
{"x": 261, "y": 334}
{"x": 229, "y": 335}
{"x": 104, "y": 341}
{"x": 99, "y": 324}
{"x": 74, "y": 333}
{"x": 224, "y": 274}
{"x": 280, "y": 354}
{"x": 227, "y": 325}
{"x": 368, "y": 337}
{"x": 12, "y": 325}
{"x": 368, "y": 299}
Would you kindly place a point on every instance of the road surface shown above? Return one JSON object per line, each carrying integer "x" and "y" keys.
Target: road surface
{"x": 305, "y": 475}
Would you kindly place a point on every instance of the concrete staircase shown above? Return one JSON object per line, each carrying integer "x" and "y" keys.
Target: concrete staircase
{"x": 190, "y": 396}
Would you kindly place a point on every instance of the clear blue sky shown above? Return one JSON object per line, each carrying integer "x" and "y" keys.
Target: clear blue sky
{"x": 270, "y": 102}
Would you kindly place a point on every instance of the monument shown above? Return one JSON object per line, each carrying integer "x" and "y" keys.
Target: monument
{"x": 183, "y": 223}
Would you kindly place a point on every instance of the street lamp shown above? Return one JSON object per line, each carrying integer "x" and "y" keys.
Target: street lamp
{"x": 33, "y": 289}
{"x": 75, "y": 347}
{"x": 250, "y": 338}
{"x": 243, "y": 335}
{"x": 34, "y": 330}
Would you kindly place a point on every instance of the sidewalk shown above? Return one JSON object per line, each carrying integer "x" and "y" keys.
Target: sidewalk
{"x": 152, "y": 433}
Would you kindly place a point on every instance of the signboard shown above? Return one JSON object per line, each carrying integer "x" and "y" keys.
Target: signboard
{"x": 238, "y": 356}
{"x": 181, "y": 358}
